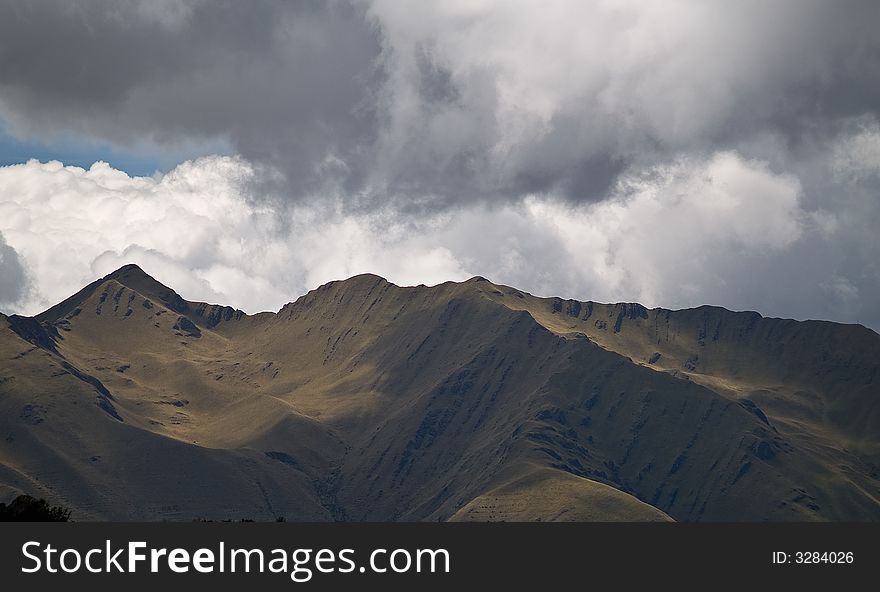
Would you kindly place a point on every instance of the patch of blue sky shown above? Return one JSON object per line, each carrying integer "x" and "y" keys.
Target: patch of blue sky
{"x": 138, "y": 161}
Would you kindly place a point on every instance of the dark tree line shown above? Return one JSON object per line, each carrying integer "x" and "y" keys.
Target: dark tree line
{"x": 25, "y": 508}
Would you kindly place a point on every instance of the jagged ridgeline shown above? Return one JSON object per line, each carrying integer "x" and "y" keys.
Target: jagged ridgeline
{"x": 363, "y": 400}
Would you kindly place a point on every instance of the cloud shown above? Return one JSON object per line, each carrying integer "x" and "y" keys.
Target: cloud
{"x": 13, "y": 284}
{"x": 673, "y": 234}
{"x": 560, "y": 97}
{"x": 725, "y": 230}
{"x": 376, "y": 102}
{"x": 280, "y": 82}
{"x": 856, "y": 155}
{"x": 196, "y": 230}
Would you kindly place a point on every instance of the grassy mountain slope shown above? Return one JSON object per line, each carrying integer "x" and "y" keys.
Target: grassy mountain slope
{"x": 363, "y": 400}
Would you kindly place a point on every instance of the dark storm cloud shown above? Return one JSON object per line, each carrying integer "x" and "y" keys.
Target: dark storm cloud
{"x": 429, "y": 107}
{"x": 285, "y": 83}
{"x": 563, "y": 98}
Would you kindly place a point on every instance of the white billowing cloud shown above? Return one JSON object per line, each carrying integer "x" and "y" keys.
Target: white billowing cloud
{"x": 64, "y": 221}
{"x": 670, "y": 235}
{"x": 674, "y": 235}
{"x": 194, "y": 229}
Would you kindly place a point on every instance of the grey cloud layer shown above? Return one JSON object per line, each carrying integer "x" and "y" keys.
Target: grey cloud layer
{"x": 284, "y": 83}
{"x": 438, "y": 103}
{"x": 12, "y": 272}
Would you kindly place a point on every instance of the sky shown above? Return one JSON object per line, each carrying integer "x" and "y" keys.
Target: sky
{"x": 672, "y": 153}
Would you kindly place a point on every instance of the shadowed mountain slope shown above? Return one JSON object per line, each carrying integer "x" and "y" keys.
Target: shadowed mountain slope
{"x": 363, "y": 400}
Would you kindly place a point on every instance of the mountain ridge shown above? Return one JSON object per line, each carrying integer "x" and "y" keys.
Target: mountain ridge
{"x": 125, "y": 274}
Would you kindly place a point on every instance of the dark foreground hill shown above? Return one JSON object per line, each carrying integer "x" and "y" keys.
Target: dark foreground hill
{"x": 363, "y": 400}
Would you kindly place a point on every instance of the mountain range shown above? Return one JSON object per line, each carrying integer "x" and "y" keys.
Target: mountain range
{"x": 363, "y": 400}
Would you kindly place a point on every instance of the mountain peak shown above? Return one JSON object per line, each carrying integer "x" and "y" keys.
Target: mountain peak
{"x": 131, "y": 276}
{"x": 359, "y": 281}
{"x": 367, "y": 278}
{"x": 128, "y": 270}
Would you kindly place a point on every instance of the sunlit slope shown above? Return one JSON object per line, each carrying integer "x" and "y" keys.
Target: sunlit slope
{"x": 828, "y": 371}
{"x": 438, "y": 390}
{"x": 124, "y": 419}
{"x": 67, "y": 439}
{"x": 552, "y": 495}
{"x": 363, "y": 400}
{"x": 817, "y": 381}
